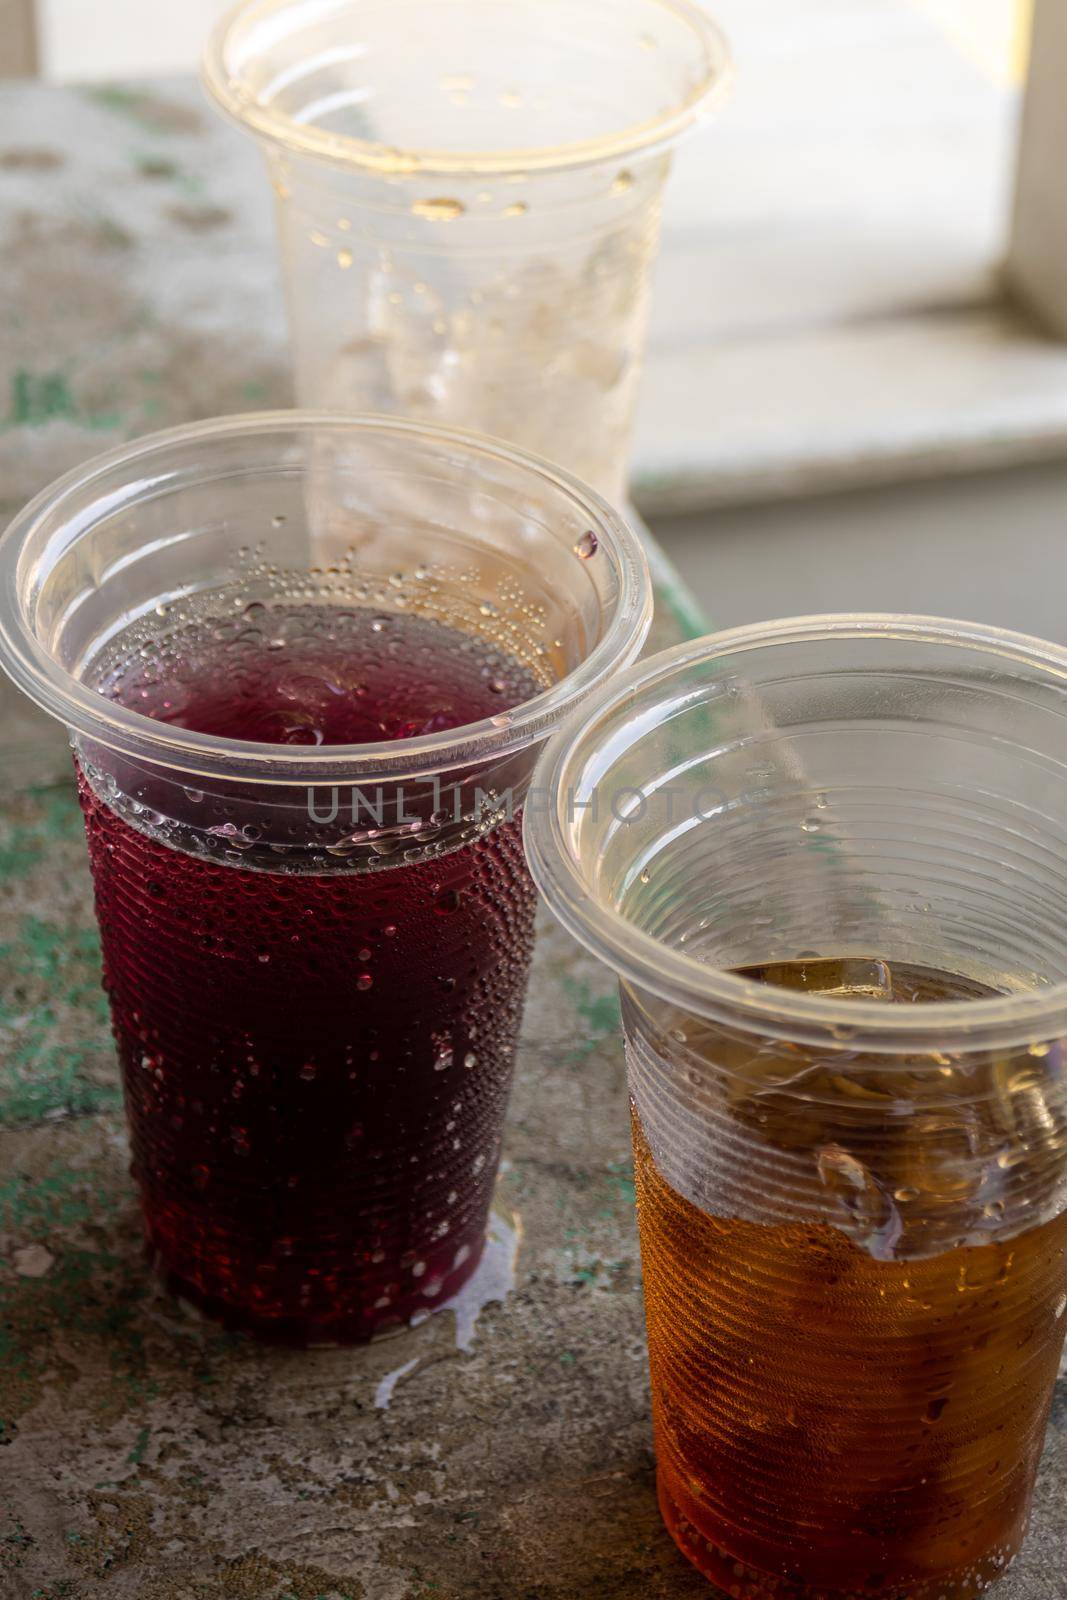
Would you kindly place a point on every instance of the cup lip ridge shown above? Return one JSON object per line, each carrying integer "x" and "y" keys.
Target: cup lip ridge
{"x": 86, "y": 712}
{"x": 641, "y": 960}
{"x": 231, "y": 97}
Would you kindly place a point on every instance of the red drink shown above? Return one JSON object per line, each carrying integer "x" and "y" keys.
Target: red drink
{"x": 316, "y": 1064}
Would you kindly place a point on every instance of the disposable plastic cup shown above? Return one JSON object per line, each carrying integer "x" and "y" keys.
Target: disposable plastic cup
{"x": 315, "y": 952}
{"x": 827, "y": 858}
{"x": 468, "y": 200}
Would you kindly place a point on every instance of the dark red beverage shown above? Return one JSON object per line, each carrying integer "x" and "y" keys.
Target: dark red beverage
{"x": 316, "y": 1063}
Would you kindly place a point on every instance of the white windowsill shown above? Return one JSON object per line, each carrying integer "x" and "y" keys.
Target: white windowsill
{"x": 828, "y": 310}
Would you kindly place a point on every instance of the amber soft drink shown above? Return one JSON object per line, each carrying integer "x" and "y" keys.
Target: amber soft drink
{"x": 855, "y": 1413}
{"x": 827, "y": 858}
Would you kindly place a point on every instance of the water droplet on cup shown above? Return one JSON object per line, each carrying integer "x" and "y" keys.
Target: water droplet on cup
{"x": 443, "y": 209}
{"x": 587, "y": 545}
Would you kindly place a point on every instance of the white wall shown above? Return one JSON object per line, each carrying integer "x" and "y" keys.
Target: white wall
{"x": 87, "y": 40}
{"x": 93, "y": 39}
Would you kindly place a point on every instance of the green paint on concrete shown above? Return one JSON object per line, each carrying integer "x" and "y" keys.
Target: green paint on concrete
{"x": 37, "y": 398}
{"x": 620, "y": 1176}
{"x": 161, "y": 168}
{"x": 599, "y": 1013}
{"x": 43, "y": 1072}
{"x": 89, "y": 1295}
{"x": 43, "y": 1205}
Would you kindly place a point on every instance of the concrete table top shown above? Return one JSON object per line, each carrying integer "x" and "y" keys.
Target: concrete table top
{"x": 142, "y": 1452}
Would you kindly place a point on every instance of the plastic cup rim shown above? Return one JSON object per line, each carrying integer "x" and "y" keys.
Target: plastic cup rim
{"x": 102, "y": 721}
{"x": 647, "y": 964}
{"x": 286, "y": 133}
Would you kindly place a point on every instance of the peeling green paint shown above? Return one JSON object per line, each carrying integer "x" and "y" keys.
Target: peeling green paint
{"x": 620, "y": 1176}
{"x": 42, "y": 1072}
{"x": 599, "y": 1012}
{"x": 37, "y": 398}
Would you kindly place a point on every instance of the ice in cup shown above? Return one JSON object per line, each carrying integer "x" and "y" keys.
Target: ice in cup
{"x": 304, "y": 720}
{"x": 828, "y": 860}
{"x": 468, "y": 200}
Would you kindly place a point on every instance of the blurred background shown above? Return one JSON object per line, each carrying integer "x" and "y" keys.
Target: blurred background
{"x": 847, "y": 404}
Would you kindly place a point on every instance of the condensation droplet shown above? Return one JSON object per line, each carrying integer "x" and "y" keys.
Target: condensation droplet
{"x": 587, "y": 545}
{"x": 623, "y": 183}
{"x": 443, "y": 209}
{"x": 345, "y": 259}
{"x": 518, "y": 208}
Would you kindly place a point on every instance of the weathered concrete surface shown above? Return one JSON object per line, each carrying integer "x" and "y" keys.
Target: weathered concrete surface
{"x": 142, "y": 1453}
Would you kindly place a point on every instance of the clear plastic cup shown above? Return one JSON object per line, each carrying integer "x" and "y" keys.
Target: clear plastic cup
{"x": 827, "y": 858}
{"x": 316, "y": 953}
{"x": 469, "y": 198}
